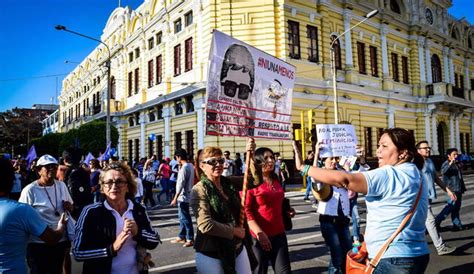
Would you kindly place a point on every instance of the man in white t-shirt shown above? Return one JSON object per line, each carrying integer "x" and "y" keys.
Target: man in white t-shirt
{"x": 228, "y": 165}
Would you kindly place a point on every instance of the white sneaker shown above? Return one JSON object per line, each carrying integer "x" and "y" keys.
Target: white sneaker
{"x": 445, "y": 250}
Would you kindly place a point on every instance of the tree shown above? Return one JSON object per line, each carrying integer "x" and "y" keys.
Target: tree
{"x": 48, "y": 144}
{"x": 89, "y": 137}
{"x": 18, "y": 127}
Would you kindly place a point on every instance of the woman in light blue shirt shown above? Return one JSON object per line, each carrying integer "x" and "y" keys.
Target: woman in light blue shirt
{"x": 390, "y": 191}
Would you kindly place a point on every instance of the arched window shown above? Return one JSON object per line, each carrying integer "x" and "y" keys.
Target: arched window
{"x": 112, "y": 88}
{"x": 395, "y": 7}
{"x": 454, "y": 34}
{"x": 131, "y": 122}
{"x": 151, "y": 115}
{"x": 436, "y": 69}
{"x": 337, "y": 52}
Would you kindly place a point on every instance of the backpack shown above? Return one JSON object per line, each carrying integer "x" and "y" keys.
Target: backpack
{"x": 78, "y": 182}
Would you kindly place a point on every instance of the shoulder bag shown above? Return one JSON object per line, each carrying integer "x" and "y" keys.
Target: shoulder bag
{"x": 360, "y": 263}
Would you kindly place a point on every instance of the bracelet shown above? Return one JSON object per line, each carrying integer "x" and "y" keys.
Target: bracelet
{"x": 305, "y": 170}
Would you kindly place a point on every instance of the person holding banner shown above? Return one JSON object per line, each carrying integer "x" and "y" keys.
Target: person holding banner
{"x": 220, "y": 245}
{"x": 392, "y": 192}
{"x": 263, "y": 209}
{"x": 334, "y": 218}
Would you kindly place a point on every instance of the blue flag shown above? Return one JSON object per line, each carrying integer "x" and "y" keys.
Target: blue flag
{"x": 31, "y": 155}
{"x": 89, "y": 157}
{"x": 106, "y": 155}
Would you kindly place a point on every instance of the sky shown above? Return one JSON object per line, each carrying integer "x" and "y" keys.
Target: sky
{"x": 33, "y": 52}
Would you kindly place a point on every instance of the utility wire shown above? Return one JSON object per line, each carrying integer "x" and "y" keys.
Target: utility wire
{"x": 33, "y": 77}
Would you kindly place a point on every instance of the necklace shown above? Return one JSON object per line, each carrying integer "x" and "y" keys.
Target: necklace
{"x": 55, "y": 199}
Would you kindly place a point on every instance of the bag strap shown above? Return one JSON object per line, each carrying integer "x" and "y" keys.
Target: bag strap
{"x": 375, "y": 261}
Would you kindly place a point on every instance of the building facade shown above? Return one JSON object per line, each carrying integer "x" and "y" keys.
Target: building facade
{"x": 409, "y": 66}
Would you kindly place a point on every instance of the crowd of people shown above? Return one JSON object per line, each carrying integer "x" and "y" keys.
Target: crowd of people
{"x": 99, "y": 210}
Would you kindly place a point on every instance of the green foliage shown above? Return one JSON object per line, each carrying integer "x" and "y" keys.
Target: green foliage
{"x": 89, "y": 137}
{"x": 48, "y": 144}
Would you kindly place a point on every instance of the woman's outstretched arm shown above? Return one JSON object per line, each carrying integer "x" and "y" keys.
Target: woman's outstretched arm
{"x": 353, "y": 181}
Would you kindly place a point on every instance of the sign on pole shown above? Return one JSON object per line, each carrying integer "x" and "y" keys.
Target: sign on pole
{"x": 249, "y": 92}
{"x": 336, "y": 140}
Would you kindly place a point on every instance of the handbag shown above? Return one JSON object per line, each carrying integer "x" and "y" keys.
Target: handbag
{"x": 360, "y": 263}
{"x": 285, "y": 211}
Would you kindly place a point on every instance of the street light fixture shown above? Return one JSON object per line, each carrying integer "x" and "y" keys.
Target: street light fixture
{"x": 107, "y": 63}
{"x": 333, "y": 65}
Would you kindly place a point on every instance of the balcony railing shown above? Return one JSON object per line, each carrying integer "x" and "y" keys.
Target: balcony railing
{"x": 458, "y": 92}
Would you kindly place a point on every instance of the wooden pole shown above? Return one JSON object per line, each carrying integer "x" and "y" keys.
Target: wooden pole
{"x": 248, "y": 155}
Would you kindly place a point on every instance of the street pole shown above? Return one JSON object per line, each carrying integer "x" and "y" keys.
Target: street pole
{"x": 333, "y": 61}
{"x": 107, "y": 63}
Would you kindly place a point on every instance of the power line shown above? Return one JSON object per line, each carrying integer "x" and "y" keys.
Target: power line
{"x": 33, "y": 77}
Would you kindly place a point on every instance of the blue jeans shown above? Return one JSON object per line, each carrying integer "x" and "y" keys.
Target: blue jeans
{"x": 338, "y": 238}
{"x": 185, "y": 223}
{"x": 164, "y": 189}
{"x": 355, "y": 218}
{"x": 453, "y": 208}
{"x": 308, "y": 187}
{"x": 409, "y": 265}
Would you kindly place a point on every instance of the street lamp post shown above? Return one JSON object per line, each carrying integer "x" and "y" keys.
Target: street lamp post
{"x": 107, "y": 119}
{"x": 333, "y": 62}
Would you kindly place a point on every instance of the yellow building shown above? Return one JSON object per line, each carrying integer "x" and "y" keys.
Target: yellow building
{"x": 409, "y": 66}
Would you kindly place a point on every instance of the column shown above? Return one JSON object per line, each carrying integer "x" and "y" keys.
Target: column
{"x": 142, "y": 122}
{"x": 457, "y": 133}
{"x": 429, "y": 76}
{"x": 451, "y": 67}
{"x": 167, "y": 119}
{"x": 199, "y": 106}
{"x": 391, "y": 116}
{"x": 347, "y": 39}
{"x": 434, "y": 133}
{"x": 452, "y": 142}
{"x": 383, "y": 40}
{"x": 421, "y": 59}
{"x": 121, "y": 131}
{"x": 467, "y": 82}
{"x": 447, "y": 79}
{"x": 427, "y": 115}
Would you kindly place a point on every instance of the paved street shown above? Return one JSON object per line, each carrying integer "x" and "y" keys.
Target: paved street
{"x": 307, "y": 250}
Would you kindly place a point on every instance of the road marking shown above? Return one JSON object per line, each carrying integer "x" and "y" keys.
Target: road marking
{"x": 171, "y": 266}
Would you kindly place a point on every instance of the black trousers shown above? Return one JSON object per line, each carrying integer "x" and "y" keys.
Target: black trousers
{"x": 46, "y": 259}
{"x": 278, "y": 255}
{"x": 148, "y": 193}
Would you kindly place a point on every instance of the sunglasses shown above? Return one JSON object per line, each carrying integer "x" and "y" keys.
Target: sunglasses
{"x": 214, "y": 161}
{"x": 231, "y": 88}
{"x": 118, "y": 183}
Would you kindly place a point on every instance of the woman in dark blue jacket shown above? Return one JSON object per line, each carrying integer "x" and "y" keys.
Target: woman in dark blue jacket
{"x": 111, "y": 235}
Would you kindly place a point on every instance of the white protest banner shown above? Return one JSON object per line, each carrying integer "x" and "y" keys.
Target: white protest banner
{"x": 249, "y": 92}
{"x": 336, "y": 140}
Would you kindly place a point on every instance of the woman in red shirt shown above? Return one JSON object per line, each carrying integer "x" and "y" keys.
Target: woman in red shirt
{"x": 264, "y": 215}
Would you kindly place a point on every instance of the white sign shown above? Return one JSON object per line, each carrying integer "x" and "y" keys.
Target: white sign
{"x": 336, "y": 140}
{"x": 249, "y": 92}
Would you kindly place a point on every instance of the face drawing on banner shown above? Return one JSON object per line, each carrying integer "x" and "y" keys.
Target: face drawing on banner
{"x": 237, "y": 73}
{"x": 275, "y": 94}
{"x": 237, "y": 80}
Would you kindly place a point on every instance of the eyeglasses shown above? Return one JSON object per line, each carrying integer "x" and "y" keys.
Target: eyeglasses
{"x": 118, "y": 183}
{"x": 214, "y": 161}
{"x": 230, "y": 88}
{"x": 424, "y": 148}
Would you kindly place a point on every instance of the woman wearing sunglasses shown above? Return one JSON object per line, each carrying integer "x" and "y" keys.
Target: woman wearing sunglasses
{"x": 263, "y": 208}
{"x": 111, "y": 234}
{"x": 220, "y": 245}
